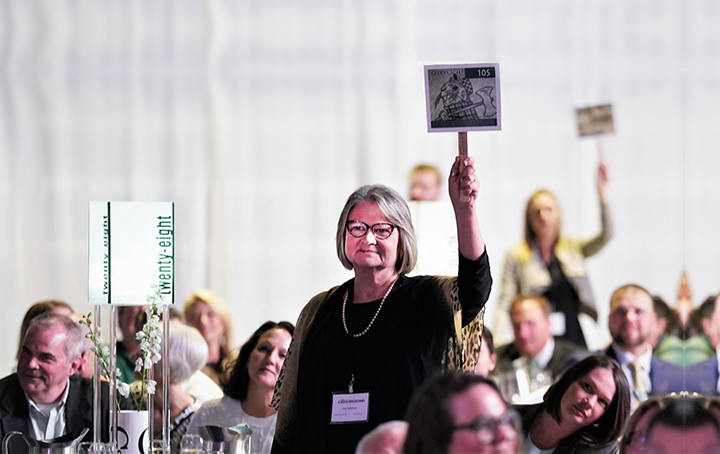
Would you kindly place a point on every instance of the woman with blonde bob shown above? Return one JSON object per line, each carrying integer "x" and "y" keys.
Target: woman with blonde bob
{"x": 208, "y": 312}
{"x": 376, "y": 337}
{"x": 549, "y": 264}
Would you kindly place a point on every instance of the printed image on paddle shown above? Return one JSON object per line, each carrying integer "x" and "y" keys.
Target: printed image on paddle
{"x": 462, "y": 97}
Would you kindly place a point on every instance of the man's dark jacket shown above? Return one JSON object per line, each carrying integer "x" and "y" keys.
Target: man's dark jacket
{"x": 509, "y": 353}
{"x": 14, "y": 414}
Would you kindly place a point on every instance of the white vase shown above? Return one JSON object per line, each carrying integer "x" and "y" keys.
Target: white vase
{"x": 132, "y": 436}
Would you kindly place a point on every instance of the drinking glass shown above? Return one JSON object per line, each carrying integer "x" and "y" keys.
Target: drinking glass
{"x": 191, "y": 444}
{"x": 88, "y": 447}
{"x": 160, "y": 447}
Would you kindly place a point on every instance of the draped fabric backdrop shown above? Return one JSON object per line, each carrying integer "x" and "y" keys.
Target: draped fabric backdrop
{"x": 258, "y": 118}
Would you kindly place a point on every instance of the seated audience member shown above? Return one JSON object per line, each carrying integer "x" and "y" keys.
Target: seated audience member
{"x": 630, "y": 322}
{"x": 583, "y": 412}
{"x": 58, "y": 307}
{"x": 635, "y": 434}
{"x": 666, "y": 345}
{"x": 457, "y": 413}
{"x": 45, "y": 399}
{"x": 534, "y": 343}
{"x": 425, "y": 183}
{"x": 387, "y": 438}
{"x": 128, "y": 348}
{"x": 703, "y": 377}
{"x": 201, "y": 387}
{"x": 488, "y": 358}
{"x": 684, "y": 425}
{"x": 208, "y": 312}
{"x": 187, "y": 354}
{"x": 249, "y": 387}
{"x": 86, "y": 367}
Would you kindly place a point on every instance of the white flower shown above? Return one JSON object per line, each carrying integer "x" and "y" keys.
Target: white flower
{"x": 105, "y": 350}
{"x": 139, "y": 365}
{"x": 123, "y": 389}
{"x": 151, "y": 386}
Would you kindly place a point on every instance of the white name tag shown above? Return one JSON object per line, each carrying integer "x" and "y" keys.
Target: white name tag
{"x": 349, "y": 408}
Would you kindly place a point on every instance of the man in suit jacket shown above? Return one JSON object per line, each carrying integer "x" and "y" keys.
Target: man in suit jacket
{"x": 704, "y": 377}
{"x": 630, "y": 322}
{"x": 530, "y": 316}
{"x": 45, "y": 399}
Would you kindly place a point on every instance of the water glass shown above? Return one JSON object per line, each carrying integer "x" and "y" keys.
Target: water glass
{"x": 160, "y": 447}
{"x": 88, "y": 447}
{"x": 191, "y": 444}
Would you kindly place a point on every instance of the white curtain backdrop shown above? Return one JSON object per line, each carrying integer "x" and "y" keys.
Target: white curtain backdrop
{"x": 258, "y": 118}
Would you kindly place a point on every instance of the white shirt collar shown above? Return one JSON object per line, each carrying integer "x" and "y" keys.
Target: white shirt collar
{"x": 47, "y": 421}
{"x": 545, "y": 354}
{"x": 624, "y": 357}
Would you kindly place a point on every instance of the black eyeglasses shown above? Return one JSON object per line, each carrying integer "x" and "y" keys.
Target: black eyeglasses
{"x": 359, "y": 229}
{"x": 487, "y": 429}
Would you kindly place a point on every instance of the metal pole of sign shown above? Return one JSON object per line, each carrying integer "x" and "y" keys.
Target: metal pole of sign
{"x": 166, "y": 375}
{"x": 97, "y": 385}
{"x": 113, "y": 377}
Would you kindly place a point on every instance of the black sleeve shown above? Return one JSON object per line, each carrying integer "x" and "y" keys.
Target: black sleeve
{"x": 474, "y": 282}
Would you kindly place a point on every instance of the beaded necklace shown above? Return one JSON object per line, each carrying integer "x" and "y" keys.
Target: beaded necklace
{"x": 345, "y": 297}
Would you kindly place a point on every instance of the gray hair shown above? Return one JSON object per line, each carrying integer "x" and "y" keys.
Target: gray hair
{"x": 395, "y": 209}
{"x": 74, "y": 339}
{"x": 187, "y": 352}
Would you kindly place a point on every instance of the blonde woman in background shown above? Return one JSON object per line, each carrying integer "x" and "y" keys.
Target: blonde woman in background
{"x": 208, "y": 312}
{"x": 552, "y": 265}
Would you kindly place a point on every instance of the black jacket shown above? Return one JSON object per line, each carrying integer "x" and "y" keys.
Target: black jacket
{"x": 15, "y": 416}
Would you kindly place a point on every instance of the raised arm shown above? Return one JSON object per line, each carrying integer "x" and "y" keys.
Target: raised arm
{"x": 593, "y": 245}
{"x": 463, "y": 187}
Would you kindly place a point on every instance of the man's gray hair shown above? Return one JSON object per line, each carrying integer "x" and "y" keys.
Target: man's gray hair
{"x": 74, "y": 339}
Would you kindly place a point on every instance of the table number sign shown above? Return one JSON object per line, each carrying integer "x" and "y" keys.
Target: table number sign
{"x": 131, "y": 247}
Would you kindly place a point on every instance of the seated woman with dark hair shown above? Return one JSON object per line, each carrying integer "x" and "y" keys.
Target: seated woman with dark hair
{"x": 249, "y": 388}
{"x": 458, "y": 412}
{"x": 583, "y": 412}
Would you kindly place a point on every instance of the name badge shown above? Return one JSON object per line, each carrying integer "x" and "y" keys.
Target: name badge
{"x": 349, "y": 408}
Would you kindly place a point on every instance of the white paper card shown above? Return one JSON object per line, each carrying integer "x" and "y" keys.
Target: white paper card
{"x": 349, "y": 408}
{"x": 130, "y": 249}
{"x": 436, "y": 236}
{"x": 557, "y": 323}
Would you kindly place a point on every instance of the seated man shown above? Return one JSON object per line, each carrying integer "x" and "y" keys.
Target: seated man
{"x": 703, "y": 377}
{"x": 425, "y": 183}
{"x": 45, "y": 399}
{"x": 630, "y": 322}
{"x": 534, "y": 342}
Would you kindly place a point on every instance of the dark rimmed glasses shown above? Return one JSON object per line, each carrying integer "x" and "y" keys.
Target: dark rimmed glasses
{"x": 381, "y": 230}
{"x": 487, "y": 429}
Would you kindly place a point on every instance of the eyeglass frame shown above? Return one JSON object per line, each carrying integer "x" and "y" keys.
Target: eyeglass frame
{"x": 638, "y": 441}
{"x": 510, "y": 418}
{"x": 370, "y": 228}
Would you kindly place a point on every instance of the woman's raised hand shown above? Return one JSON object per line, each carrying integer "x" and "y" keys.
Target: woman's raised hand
{"x": 463, "y": 183}
{"x": 602, "y": 180}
